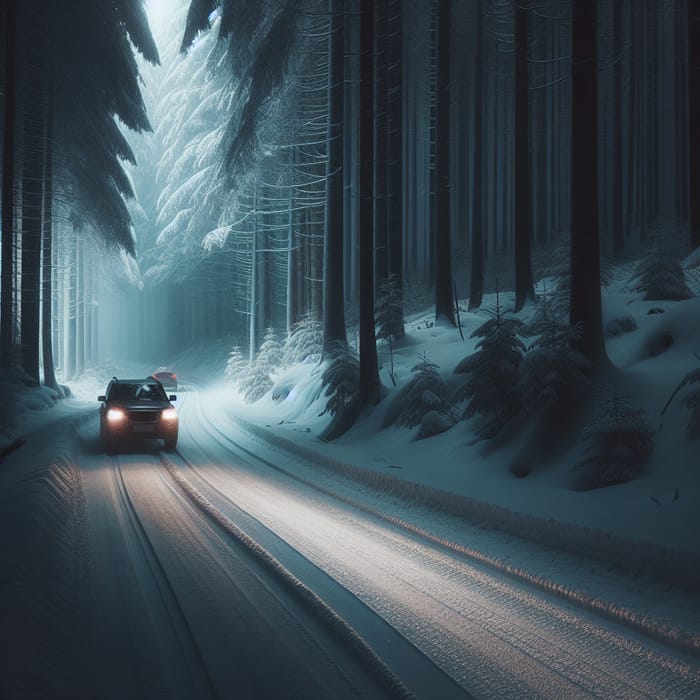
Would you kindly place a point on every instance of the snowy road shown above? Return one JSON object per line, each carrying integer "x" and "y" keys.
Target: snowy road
{"x": 230, "y": 570}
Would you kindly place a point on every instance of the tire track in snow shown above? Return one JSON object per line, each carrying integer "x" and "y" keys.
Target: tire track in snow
{"x": 325, "y": 613}
{"x": 173, "y": 609}
{"x": 651, "y": 627}
{"x": 227, "y": 442}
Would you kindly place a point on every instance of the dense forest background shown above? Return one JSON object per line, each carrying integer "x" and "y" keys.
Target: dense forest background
{"x": 256, "y": 167}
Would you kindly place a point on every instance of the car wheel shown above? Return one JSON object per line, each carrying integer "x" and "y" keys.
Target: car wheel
{"x": 170, "y": 443}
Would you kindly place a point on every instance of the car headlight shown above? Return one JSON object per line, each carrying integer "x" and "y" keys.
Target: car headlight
{"x": 115, "y": 415}
{"x": 169, "y": 414}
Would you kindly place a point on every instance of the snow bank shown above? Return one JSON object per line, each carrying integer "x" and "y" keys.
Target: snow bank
{"x": 43, "y": 556}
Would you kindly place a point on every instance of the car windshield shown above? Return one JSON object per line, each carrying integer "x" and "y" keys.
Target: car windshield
{"x": 138, "y": 392}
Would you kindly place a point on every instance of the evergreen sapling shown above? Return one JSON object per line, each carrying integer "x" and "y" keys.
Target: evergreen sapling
{"x": 236, "y": 365}
{"x": 492, "y": 372}
{"x": 304, "y": 343}
{"x": 425, "y": 401}
{"x": 660, "y": 277}
{"x": 618, "y": 442}
{"x": 690, "y": 401}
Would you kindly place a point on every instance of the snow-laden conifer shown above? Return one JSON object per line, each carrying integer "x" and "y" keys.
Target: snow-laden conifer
{"x": 304, "y": 343}
{"x": 389, "y": 309}
{"x": 690, "y": 401}
{"x": 424, "y": 401}
{"x": 492, "y": 372}
{"x": 618, "y": 442}
{"x": 341, "y": 382}
{"x": 236, "y": 364}
{"x": 551, "y": 374}
{"x": 257, "y": 380}
{"x": 660, "y": 277}
{"x": 270, "y": 353}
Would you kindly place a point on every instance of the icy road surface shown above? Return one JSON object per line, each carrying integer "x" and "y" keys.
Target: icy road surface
{"x": 225, "y": 570}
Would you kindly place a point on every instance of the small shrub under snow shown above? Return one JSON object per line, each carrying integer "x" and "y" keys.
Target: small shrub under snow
{"x": 492, "y": 373}
{"x": 619, "y": 326}
{"x": 690, "y": 401}
{"x": 551, "y": 375}
{"x": 236, "y": 364}
{"x": 425, "y": 393}
{"x": 304, "y": 343}
{"x": 659, "y": 277}
{"x": 437, "y": 421}
{"x": 618, "y": 442}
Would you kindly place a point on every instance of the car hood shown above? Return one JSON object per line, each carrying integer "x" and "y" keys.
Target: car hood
{"x": 140, "y": 405}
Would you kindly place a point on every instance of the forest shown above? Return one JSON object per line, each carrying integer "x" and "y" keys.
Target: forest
{"x": 312, "y": 171}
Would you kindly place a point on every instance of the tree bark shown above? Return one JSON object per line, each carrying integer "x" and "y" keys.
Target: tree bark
{"x": 292, "y": 262}
{"x": 476, "y": 281}
{"x": 254, "y": 289}
{"x": 586, "y": 308}
{"x": 443, "y": 255}
{"x": 8, "y": 184}
{"x": 380, "y": 180}
{"x": 47, "y": 253}
{"x": 618, "y": 198}
{"x": 333, "y": 302}
{"x": 394, "y": 165}
{"x": 32, "y": 165}
{"x": 369, "y": 371}
{"x": 524, "y": 288}
{"x": 694, "y": 120}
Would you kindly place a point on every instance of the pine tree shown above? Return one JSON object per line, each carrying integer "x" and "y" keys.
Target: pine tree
{"x": 304, "y": 343}
{"x": 255, "y": 383}
{"x": 270, "y": 354}
{"x": 236, "y": 364}
{"x": 659, "y": 276}
{"x": 389, "y": 310}
{"x": 619, "y": 440}
{"x": 425, "y": 401}
{"x": 492, "y": 370}
{"x": 551, "y": 375}
{"x": 690, "y": 401}
{"x": 341, "y": 382}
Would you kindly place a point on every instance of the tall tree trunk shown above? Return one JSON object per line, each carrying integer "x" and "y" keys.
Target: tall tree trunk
{"x": 32, "y": 165}
{"x": 694, "y": 119}
{"x": 476, "y": 281}
{"x": 292, "y": 262}
{"x": 618, "y": 232}
{"x": 524, "y": 288}
{"x": 586, "y": 308}
{"x": 443, "y": 255}
{"x": 333, "y": 303}
{"x": 79, "y": 306}
{"x": 254, "y": 288}
{"x": 47, "y": 253}
{"x": 380, "y": 143}
{"x": 394, "y": 165}
{"x": 369, "y": 372}
{"x": 265, "y": 310}
{"x": 8, "y": 184}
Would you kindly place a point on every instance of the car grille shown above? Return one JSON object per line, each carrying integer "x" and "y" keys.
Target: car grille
{"x": 144, "y": 416}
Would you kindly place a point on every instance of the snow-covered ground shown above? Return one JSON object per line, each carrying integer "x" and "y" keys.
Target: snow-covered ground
{"x": 452, "y": 505}
{"x": 656, "y": 516}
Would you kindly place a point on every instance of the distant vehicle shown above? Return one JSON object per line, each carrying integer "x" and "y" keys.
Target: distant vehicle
{"x": 137, "y": 408}
{"x": 166, "y": 377}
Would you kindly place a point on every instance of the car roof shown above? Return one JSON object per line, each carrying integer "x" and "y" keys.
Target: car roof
{"x": 146, "y": 380}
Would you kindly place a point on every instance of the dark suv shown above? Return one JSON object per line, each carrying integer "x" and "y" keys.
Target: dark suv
{"x": 137, "y": 408}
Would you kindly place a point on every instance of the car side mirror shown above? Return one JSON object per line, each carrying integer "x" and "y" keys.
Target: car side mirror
{"x": 172, "y": 397}
{"x": 101, "y": 398}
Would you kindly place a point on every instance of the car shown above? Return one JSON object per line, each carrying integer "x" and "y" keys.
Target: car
{"x": 166, "y": 377}
{"x": 137, "y": 408}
